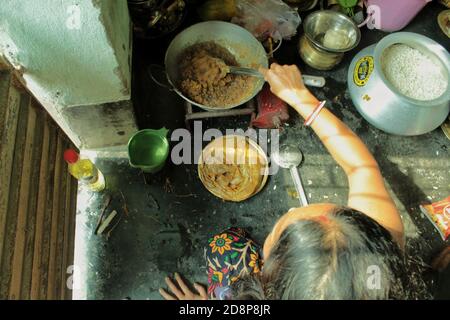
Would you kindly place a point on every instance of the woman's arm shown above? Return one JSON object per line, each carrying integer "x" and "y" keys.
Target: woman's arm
{"x": 367, "y": 192}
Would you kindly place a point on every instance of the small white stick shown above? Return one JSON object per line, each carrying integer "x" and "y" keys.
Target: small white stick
{"x": 107, "y": 221}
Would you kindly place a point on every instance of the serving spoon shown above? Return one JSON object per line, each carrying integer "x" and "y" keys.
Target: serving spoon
{"x": 312, "y": 81}
{"x": 289, "y": 157}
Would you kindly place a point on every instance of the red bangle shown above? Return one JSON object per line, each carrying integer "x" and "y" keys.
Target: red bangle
{"x": 314, "y": 114}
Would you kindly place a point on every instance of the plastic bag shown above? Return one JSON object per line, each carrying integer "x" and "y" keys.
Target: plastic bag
{"x": 272, "y": 111}
{"x": 267, "y": 18}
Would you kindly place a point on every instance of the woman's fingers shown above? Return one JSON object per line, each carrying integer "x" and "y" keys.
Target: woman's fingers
{"x": 201, "y": 290}
{"x": 285, "y": 81}
{"x": 166, "y": 295}
{"x": 276, "y": 67}
{"x": 174, "y": 288}
{"x": 263, "y": 71}
{"x": 182, "y": 285}
{"x": 293, "y": 67}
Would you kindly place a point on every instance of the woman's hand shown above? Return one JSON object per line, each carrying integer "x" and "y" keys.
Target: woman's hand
{"x": 181, "y": 291}
{"x": 286, "y": 82}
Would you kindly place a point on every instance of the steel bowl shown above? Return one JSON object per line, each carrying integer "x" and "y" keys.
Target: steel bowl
{"x": 247, "y": 50}
{"x": 312, "y": 48}
{"x": 381, "y": 104}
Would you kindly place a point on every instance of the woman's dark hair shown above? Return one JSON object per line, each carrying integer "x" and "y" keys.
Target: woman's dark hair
{"x": 347, "y": 256}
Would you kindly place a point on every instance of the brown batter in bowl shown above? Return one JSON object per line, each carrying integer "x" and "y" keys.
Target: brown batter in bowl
{"x": 233, "y": 168}
{"x": 203, "y": 76}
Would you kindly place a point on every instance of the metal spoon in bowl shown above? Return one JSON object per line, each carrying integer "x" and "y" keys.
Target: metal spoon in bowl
{"x": 312, "y": 81}
{"x": 289, "y": 157}
{"x": 224, "y": 69}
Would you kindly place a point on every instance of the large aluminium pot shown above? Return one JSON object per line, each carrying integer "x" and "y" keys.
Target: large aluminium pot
{"x": 247, "y": 50}
{"x": 381, "y": 104}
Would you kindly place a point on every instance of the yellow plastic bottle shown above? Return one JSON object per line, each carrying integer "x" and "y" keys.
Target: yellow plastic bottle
{"x": 84, "y": 171}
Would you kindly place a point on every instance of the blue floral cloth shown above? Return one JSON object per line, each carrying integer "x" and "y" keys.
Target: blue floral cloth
{"x": 230, "y": 255}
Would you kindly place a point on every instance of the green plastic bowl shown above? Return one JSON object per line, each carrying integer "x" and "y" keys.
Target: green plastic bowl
{"x": 148, "y": 150}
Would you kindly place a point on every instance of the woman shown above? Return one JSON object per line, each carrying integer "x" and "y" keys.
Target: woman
{"x": 322, "y": 251}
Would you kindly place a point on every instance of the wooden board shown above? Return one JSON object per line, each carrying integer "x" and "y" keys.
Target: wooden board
{"x": 51, "y": 282}
{"x": 37, "y": 199}
{"x": 32, "y": 202}
{"x": 13, "y": 197}
{"x": 8, "y": 129}
{"x": 22, "y": 210}
{"x": 48, "y": 213}
{"x": 40, "y": 215}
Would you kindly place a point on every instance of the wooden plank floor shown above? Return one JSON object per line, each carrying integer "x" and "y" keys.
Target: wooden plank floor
{"x": 37, "y": 199}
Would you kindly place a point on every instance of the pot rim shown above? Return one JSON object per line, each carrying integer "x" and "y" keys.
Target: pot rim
{"x": 418, "y": 40}
{"x": 343, "y": 16}
{"x": 206, "y": 25}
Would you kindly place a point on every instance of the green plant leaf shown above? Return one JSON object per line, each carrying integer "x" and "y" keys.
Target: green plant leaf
{"x": 348, "y": 3}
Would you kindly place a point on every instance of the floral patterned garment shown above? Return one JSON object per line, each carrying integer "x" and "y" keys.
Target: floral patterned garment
{"x": 229, "y": 256}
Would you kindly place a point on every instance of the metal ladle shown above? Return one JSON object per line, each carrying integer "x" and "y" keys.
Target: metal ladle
{"x": 312, "y": 81}
{"x": 289, "y": 157}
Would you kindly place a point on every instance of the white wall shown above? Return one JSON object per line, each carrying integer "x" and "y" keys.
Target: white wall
{"x": 71, "y": 52}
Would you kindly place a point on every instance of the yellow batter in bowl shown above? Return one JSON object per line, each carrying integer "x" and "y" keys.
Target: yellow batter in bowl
{"x": 233, "y": 168}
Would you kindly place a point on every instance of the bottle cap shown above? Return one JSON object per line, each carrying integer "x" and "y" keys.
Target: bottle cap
{"x": 71, "y": 156}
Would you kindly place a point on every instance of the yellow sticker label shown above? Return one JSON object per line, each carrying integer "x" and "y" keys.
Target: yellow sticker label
{"x": 363, "y": 70}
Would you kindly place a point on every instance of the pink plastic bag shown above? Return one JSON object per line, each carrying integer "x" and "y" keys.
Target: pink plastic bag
{"x": 267, "y": 18}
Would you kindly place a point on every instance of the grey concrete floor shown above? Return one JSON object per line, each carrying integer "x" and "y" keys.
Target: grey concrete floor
{"x": 170, "y": 214}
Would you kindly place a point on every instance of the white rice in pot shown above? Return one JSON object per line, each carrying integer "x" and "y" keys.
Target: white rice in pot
{"x": 412, "y": 73}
